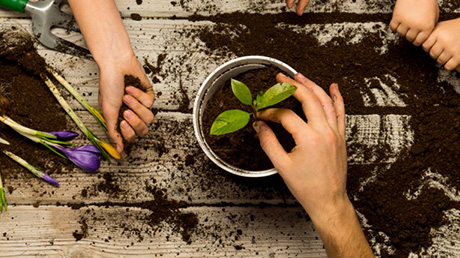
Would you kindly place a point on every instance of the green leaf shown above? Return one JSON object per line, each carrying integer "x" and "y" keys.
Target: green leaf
{"x": 242, "y": 92}
{"x": 230, "y": 121}
{"x": 276, "y": 94}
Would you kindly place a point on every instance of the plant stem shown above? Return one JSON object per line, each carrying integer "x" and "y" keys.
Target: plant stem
{"x": 31, "y": 168}
{"x": 96, "y": 113}
{"x": 2, "y": 197}
{"x": 74, "y": 116}
{"x": 24, "y": 130}
{"x": 3, "y": 141}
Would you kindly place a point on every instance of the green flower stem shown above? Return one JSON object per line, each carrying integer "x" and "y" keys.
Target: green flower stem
{"x": 96, "y": 113}
{"x": 24, "y": 130}
{"x": 3, "y": 141}
{"x": 45, "y": 143}
{"x": 2, "y": 197}
{"x": 74, "y": 116}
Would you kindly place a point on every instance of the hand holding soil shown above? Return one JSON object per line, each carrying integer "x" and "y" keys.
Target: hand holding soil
{"x": 113, "y": 95}
{"x": 316, "y": 169}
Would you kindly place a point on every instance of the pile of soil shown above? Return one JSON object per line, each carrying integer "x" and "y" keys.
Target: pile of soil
{"x": 434, "y": 108}
{"x": 241, "y": 148}
{"x": 31, "y": 104}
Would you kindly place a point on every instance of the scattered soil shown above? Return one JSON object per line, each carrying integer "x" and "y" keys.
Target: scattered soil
{"x": 30, "y": 103}
{"x": 136, "y": 16}
{"x": 433, "y": 106}
{"x": 242, "y": 148}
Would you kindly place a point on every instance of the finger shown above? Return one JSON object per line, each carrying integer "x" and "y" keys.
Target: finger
{"x": 339, "y": 107}
{"x": 287, "y": 118}
{"x": 127, "y": 132}
{"x": 111, "y": 119}
{"x": 402, "y": 30}
{"x": 436, "y": 51}
{"x": 429, "y": 43}
{"x": 290, "y": 3}
{"x": 420, "y": 39}
{"x": 411, "y": 35}
{"x": 144, "y": 113}
{"x": 136, "y": 123}
{"x": 324, "y": 99}
{"x": 394, "y": 24}
{"x": 145, "y": 98}
{"x": 443, "y": 58}
{"x": 452, "y": 64}
{"x": 310, "y": 103}
{"x": 301, "y": 6}
{"x": 271, "y": 145}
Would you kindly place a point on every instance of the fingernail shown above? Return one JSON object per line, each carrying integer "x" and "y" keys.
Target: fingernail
{"x": 118, "y": 148}
{"x": 129, "y": 114}
{"x": 128, "y": 99}
{"x": 282, "y": 75}
{"x": 301, "y": 76}
{"x": 124, "y": 125}
{"x": 130, "y": 90}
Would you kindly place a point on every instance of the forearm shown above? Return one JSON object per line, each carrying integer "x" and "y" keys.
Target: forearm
{"x": 103, "y": 30}
{"x": 342, "y": 234}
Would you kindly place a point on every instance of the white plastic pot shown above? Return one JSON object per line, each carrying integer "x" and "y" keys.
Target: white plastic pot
{"x": 211, "y": 85}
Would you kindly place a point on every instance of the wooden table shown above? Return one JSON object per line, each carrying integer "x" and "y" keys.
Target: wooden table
{"x": 41, "y": 221}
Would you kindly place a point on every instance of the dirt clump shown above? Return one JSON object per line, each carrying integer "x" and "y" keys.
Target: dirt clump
{"x": 360, "y": 68}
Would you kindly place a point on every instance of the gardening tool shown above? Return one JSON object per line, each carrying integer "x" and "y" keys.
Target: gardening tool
{"x": 46, "y": 14}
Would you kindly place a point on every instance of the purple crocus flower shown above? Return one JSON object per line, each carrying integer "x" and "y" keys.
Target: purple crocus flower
{"x": 49, "y": 179}
{"x": 87, "y": 157}
{"x": 64, "y": 135}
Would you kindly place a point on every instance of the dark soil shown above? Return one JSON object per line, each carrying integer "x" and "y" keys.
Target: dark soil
{"x": 433, "y": 106}
{"x": 242, "y": 148}
{"x": 31, "y": 104}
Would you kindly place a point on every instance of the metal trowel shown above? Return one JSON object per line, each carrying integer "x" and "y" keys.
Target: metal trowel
{"x": 47, "y": 14}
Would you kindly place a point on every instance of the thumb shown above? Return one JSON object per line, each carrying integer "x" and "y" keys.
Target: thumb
{"x": 270, "y": 144}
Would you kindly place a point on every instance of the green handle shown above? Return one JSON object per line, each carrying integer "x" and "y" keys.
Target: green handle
{"x": 17, "y": 5}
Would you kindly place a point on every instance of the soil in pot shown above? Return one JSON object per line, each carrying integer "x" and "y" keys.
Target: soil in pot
{"x": 241, "y": 148}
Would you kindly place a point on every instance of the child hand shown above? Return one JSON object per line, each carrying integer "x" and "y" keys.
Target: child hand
{"x": 300, "y": 6}
{"x": 443, "y": 44}
{"x": 415, "y": 19}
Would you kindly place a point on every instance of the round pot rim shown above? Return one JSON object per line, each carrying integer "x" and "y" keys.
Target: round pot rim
{"x": 255, "y": 59}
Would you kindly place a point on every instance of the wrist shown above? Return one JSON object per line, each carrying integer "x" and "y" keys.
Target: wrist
{"x": 333, "y": 214}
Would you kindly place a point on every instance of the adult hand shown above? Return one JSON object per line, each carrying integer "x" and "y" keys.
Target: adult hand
{"x": 443, "y": 44}
{"x": 315, "y": 170}
{"x": 415, "y": 19}
{"x": 301, "y": 5}
{"x": 112, "y": 94}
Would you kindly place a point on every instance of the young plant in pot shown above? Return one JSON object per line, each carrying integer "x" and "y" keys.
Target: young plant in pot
{"x": 225, "y": 106}
{"x": 233, "y": 120}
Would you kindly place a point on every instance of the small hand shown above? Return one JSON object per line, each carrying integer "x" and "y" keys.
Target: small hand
{"x": 112, "y": 95}
{"x": 315, "y": 170}
{"x": 301, "y": 5}
{"x": 415, "y": 19}
{"x": 443, "y": 44}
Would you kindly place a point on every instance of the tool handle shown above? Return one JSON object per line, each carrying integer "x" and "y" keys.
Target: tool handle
{"x": 16, "y": 5}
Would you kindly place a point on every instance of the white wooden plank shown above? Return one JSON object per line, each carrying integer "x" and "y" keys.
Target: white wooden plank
{"x": 113, "y": 232}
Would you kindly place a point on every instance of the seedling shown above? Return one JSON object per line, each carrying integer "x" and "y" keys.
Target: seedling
{"x": 233, "y": 120}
